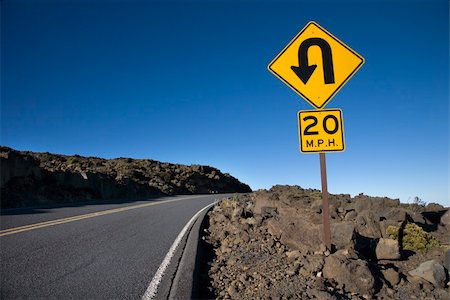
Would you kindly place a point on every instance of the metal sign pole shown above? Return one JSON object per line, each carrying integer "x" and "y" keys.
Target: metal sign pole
{"x": 325, "y": 205}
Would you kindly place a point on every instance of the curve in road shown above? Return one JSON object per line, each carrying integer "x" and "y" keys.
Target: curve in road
{"x": 92, "y": 252}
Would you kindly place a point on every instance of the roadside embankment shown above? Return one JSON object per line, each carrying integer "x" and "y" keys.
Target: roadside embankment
{"x": 30, "y": 178}
{"x": 268, "y": 245}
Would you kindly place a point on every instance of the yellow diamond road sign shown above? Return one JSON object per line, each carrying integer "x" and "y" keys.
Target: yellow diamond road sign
{"x": 315, "y": 64}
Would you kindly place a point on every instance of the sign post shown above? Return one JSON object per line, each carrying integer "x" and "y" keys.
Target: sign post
{"x": 316, "y": 65}
{"x": 325, "y": 204}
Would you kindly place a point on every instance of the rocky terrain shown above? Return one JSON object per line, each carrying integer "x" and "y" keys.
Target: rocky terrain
{"x": 29, "y": 178}
{"x": 268, "y": 245}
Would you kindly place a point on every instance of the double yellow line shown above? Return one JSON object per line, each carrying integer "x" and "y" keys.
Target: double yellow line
{"x": 81, "y": 217}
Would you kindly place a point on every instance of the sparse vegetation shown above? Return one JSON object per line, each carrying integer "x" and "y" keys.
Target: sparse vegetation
{"x": 419, "y": 201}
{"x": 413, "y": 237}
{"x": 393, "y": 232}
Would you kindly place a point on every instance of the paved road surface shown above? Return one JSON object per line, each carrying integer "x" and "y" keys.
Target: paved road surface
{"x": 106, "y": 251}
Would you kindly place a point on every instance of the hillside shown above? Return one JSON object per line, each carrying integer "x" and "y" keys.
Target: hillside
{"x": 268, "y": 245}
{"x": 29, "y": 178}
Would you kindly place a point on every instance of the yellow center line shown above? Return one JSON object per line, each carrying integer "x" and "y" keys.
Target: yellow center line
{"x": 85, "y": 216}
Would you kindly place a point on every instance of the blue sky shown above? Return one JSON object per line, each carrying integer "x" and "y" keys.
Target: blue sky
{"x": 187, "y": 82}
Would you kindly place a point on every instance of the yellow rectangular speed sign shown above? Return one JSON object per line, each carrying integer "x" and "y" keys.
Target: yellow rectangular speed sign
{"x": 321, "y": 131}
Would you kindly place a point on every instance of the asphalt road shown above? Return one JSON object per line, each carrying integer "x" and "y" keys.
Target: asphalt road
{"x": 105, "y": 251}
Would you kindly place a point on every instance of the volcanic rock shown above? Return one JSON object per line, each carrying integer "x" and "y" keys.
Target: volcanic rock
{"x": 445, "y": 219}
{"x": 432, "y": 272}
{"x": 296, "y": 233}
{"x": 280, "y": 254}
{"x": 352, "y": 274}
{"x": 29, "y": 178}
{"x": 391, "y": 276}
{"x": 387, "y": 249}
{"x": 342, "y": 234}
{"x": 368, "y": 224}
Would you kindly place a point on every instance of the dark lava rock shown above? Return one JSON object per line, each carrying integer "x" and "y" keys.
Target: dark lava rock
{"x": 29, "y": 178}
{"x": 268, "y": 245}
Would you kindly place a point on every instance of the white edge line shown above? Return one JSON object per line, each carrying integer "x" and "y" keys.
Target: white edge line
{"x": 152, "y": 289}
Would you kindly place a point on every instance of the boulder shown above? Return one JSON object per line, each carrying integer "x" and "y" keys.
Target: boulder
{"x": 416, "y": 217}
{"x": 350, "y": 215}
{"x": 375, "y": 204}
{"x": 313, "y": 264}
{"x": 264, "y": 201}
{"x": 352, "y": 274}
{"x": 268, "y": 212}
{"x": 447, "y": 261}
{"x": 342, "y": 234}
{"x": 445, "y": 219}
{"x": 391, "y": 276}
{"x": 368, "y": 225}
{"x": 274, "y": 228}
{"x": 299, "y": 234}
{"x": 433, "y": 213}
{"x": 434, "y": 207}
{"x": 396, "y": 214}
{"x": 387, "y": 249}
{"x": 296, "y": 233}
{"x": 432, "y": 272}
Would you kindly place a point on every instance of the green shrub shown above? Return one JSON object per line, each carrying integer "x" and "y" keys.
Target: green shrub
{"x": 413, "y": 237}
{"x": 393, "y": 232}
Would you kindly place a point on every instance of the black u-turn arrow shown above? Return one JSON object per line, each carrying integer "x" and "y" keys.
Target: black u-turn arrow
{"x": 304, "y": 70}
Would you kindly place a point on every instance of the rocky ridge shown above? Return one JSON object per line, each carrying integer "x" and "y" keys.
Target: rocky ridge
{"x": 267, "y": 245}
{"x": 29, "y": 178}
